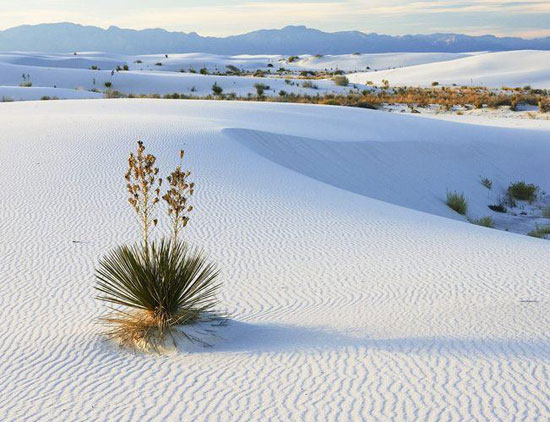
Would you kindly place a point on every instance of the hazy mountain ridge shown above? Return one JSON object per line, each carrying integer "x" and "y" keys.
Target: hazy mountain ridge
{"x": 68, "y": 37}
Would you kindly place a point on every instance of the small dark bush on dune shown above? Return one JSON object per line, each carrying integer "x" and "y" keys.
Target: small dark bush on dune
{"x": 498, "y": 208}
{"x": 485, "y": 181}
{"x": 522, "y": 191}
{"x": 216, "y": 89}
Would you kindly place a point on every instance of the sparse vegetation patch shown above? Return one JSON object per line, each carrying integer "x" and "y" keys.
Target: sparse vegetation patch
{"x": 457, "y": 202}
{"x": 522, "y": 191}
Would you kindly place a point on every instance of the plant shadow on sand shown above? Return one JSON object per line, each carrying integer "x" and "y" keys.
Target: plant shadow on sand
{"x": 242, "y": 337}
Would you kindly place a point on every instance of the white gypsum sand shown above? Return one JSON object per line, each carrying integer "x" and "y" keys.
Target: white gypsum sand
{"x": 75, "y": 75}
{"x": 493, "y": 70}
{"x": 343, "y": 307}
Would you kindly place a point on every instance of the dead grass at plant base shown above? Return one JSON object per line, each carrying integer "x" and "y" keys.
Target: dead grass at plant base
{"x": 142, "y": 331}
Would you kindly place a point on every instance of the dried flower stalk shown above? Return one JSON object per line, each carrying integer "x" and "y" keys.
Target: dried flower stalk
{"x": 178, "y": 196}
{"x": 143, "y": 187}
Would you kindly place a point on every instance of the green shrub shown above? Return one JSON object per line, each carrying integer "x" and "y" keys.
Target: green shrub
{"x": 216, "y": 89}
{"x": 108, "y": 84}
{"x": 522, "y": 191}
{"x": 340, "y": 81}
{"x": 457, "y": 202}
{"x": 26, "y": 84}
{"x": 260, "y": 88}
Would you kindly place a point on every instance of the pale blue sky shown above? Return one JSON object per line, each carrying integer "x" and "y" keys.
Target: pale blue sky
{"x": 528, "y": 18}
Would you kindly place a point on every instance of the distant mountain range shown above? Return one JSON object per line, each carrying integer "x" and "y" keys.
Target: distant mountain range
{"x": 69, "y": 37}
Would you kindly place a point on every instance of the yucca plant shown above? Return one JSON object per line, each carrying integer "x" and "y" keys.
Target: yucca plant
{"x": 172, "y": 285}
{"x": 154, "y": 287}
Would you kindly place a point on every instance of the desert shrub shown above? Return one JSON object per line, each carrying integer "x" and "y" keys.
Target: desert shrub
{"x": 157, "y": 287}
{"x": 108, "y": 84}
{"x": 216, "y": 89}
{"x": 203, "y": 71}
{"x": 485, "y": 181}
{"x": 113, "y": 93}
{"x": 260, "y": 88}
{"x": 457, "y": 202}
{"x": 340, "y": 81}
{"x": 540, "y": 232}
{"x": 522, "y": 191}
{"x": 292, "y": 59}
{"x": 138, "y": 62}
{"x": 94, "y": 67}
{"x": 435, "y": 83}
{"x": 484, "y": 221}
{"x": 158, "y": 64}
{"x": 234, "y": 70}
{"x": 498, "y": 208}
{"x": 309, "y": 84}
{"x": 125, "y": 67}
{"x": 283, "y": 93}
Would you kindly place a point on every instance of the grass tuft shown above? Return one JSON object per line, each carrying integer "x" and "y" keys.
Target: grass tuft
{"x": 457, "y": 202}
{"x": 540, "y": 232}
{"x": 485, "y": 181}
{"x": 484, "y": 221}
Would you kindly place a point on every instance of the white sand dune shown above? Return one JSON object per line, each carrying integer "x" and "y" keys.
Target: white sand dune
{"x": 151, "y": 81}
{"x": 509, "y": 68}
{"x": 343, "y": 307}
{"x": 17, "y": 93}
{"x": 215, "y": 62}
{"x": 379, "y": 61}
